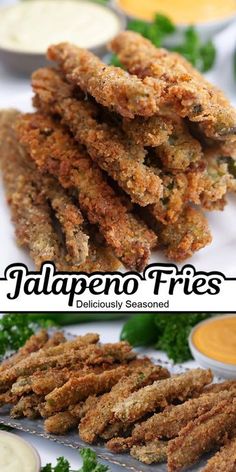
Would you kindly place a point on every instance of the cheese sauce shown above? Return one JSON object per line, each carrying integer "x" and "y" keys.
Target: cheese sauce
{"x": 16, "y": 455}
{"x": 180, "y": 11}
{"x": 31, "y": 26}
{"x": 216, "y": 339}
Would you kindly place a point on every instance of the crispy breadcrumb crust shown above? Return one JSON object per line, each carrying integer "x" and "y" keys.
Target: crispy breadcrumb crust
{"x": 224, "y": 460}
{"x": 110, "y": 86}
{"x": 54, "y": 151}
{"x": 188, "y": 234}
{"x": 121, "y": 158}
{"x": 201, "y": 435}
{"x": 160, "y": 393}
{"x": 180, "y": 84}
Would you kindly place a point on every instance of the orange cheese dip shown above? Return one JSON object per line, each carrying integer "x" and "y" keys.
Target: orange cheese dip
{"x": 216, "y": 339}
{"x": 180, "y": 11}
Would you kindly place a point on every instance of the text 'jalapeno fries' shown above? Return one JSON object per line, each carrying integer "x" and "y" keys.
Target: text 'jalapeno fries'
{"x": 115, "y": 163}
{"x": 128, "y": 403}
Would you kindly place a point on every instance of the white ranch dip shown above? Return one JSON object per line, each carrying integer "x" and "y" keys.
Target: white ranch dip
{"x": 16, "y": 455}
{"x": 31, "y": 26}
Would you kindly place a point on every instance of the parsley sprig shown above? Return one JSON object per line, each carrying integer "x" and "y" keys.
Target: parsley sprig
{"x": 201, "y": 55}
{"x": 165, "y": 331}
{"x": 90, "y": 464}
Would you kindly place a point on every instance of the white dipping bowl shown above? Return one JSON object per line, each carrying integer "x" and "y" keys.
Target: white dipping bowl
{"x": 33, "y": 451}
{"x": 24, "y": 59}
{"x": 220, "y": 369}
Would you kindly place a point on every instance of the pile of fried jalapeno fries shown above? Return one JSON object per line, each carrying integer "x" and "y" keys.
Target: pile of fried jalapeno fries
{"x": 114, "y": 162}
{"x": 129, "y": 403}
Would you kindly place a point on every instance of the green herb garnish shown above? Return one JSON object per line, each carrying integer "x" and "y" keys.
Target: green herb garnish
{"x": 156, "y": 32}
{"x": 167, "y": 332}
{"x": 200, "y": 55}
{"x": 3, "y": 427}
{"x": 14, "y": 331}
{"x": 90, "y": 464}
{"x": 16, "y": 328}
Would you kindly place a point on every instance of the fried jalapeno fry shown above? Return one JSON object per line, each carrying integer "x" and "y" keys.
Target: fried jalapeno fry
{"x": 180, "y": 151}
{"x": 155, "y": 451}
{"x": 97, "y": 419}
{"x": 151, "y": 132}
{"x": 181, "y": 86}
{"x": 160, "y": 393}
{"x": 108, "y": 147}
{"x": 70, "y": 218}
{"x": 45, "y": 140}
{"x": 168, "y": 423}
{"x": 188, "y": 234}
{"x": 224, "y": 460}
{"x": 32, "y": 212}
{"x": 77, "y": 389}
{"x": 110, "y": 86}
{"x": 110, "y": 394}
{"x": 202, "y": 435}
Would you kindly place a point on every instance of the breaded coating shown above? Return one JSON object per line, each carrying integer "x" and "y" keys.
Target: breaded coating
{"x": 34, "y": 343}
{"x": 96, "y": 420}
{"x": 208, "y": 431}
{"x": 43, "y": 383}
{"x": 119, "y": 445}
{"x": 219, "y": 178}
{"x": 77, "y": 389}
{"x": 179, "y": 189}
{"x": 56, "y": 153}
{"x": 224, "y": 460}
{"x": 121, "y": 158}
{"x": 57, "y": 338}
{"x": 189, "y": 234}
{"x": 100, "y": 258}
{"x": 7, "y": 398}
{"x": 30, "y": 211}
{"x": 89, "y": 355}
{"x": 110, "y": 86}
{"x": 180, "y": 151}
{"x": 80, "y": 409}
{"x": 169, "y": 423}
{"x": 27, "y": 406}
{"x": 181, "y": 86}
{"x": 77, "y": 343}
{"x": 60, "y": 423}
{"x": 151, "y": 132}
{"x": 115, "y": 430}
{"x": 70, "y": 219}
{"x": 155, "y": 451}
{"x": 160, "y": 393}
{"x": 219, "y": 387}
